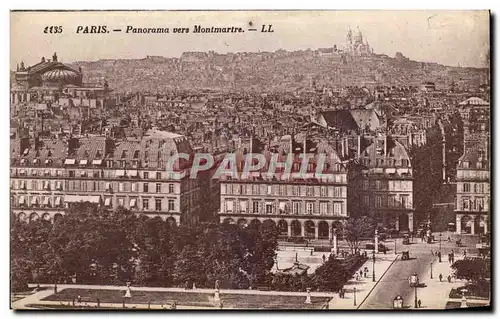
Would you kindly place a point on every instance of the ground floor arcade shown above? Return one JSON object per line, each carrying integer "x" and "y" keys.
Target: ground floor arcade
{"x": 467, "y": 223}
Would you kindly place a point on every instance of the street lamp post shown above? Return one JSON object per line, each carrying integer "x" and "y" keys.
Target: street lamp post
{"x": 354, "y": 292}
{"x": 395, "y": 240}
{"x": 439, "y": 255}
{"x": 415, "y": 286}
{"x": 431, "y": 271}
{"x": 440, "y": 235}
{"x": 373, "y": 270}
{"x": 416, "y": 299}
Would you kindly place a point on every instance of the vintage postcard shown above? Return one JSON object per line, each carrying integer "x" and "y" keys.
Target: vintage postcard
{"x": 221, "y": 160}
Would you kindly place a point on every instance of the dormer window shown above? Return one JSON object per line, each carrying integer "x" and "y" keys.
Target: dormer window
{"x": 49, "y": 153}
{"x": 124, "y": 154}
{"x": 98, "y": 154}
{"x": 86, "y": 153}
{"x": 136, "y": 154}
{"x": 26, "y": 151}
{"x": 465, "y": 164}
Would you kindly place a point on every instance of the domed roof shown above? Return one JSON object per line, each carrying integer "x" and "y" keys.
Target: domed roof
{"x": 60, "y": 75}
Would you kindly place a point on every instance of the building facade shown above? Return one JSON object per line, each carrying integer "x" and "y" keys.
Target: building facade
{"x": 382, "y": 183}
{"x": 306, "y": 205}
{"x": 48, "y": 175}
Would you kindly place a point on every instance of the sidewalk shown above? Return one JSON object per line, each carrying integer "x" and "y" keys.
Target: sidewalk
{"x": 436, "y": 294}
{"x": 365, "y": 285}
{"x": 31, "y": 299}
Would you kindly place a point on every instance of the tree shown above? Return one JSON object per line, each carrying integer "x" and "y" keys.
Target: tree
{"x": 331, "y": 275}
{"x": 474, "y": 270}
{"x": 356, "y": 229}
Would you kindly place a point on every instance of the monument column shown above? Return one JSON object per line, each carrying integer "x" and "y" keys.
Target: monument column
{"x": 473, "y": 226}
{"x": 316, "y": 231}
{"x": 302, "y": 229}
{"x": 289, "y": 229}
{"x": 410, "y": 222}
{"x": 458, "y": 224}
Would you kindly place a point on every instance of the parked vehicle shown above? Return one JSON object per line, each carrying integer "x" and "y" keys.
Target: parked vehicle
{"x": 406, "y": 240}
{"x": 381, "y": 247}
{"x": 405, "y": 255}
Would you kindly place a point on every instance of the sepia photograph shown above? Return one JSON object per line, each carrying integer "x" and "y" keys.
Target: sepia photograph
{"x": 250, "y": 160}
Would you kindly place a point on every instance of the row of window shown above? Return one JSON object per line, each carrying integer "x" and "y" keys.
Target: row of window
{"x": 59, "y": 202}
{"x": 380, "y": 162}
{"x": 386, "y": 185}
{"x": 473, "y": 204}
{"x": 82, "y": 185}
{"x": 270, "y": 207}
{"x": 88, "y": 173}
{"x": 283, "y": 190}
{"x": 391, "y": 201}
{"x": 474, "y": 187}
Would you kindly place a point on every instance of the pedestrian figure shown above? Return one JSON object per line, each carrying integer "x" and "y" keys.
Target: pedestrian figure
{"x": 79, "y": 298}
{"x": 194, "y": 285}
{"x": 440, "y": 277}
{"x": 449, "y": 278}
{"x": 419, "y": 303}
{"x": 465, "y": 253}
{"x": 360, "y": 273}
{"x": 366, "y": 254}
{"x": 55, "y": 288}
{"x": 449, "y": 239}
{"x": 186, "y": 285}
{"x": 324, "y": 258}
{"x": 311, "y": 252}
{"x": 98, "y": 302}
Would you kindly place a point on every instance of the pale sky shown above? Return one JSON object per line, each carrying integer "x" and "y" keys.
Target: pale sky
{"x": 446, "y": 37}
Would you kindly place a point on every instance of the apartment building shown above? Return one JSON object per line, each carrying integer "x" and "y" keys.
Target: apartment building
{"x": 47, "y": 175}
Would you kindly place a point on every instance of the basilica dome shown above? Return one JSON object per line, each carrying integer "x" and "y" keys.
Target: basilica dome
{"x": 60, "y": 76}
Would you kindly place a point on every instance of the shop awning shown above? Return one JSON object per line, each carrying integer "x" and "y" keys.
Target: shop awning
{"x": 132, "y": 173}
{"x": 133, "y": 202}
{"x": 390, "y": 170}
{"x": 83, "y": 173}
{"x": 83, "y": 162}
{"x": 79, "y": 198}
{"x": 107, "y": 202}
{"x": 47, "y": 161}
{"x": 69, "y": 161}
{"x": 282, "y": 206}
{"x": 120, "y": 173}
{"x": 403, "y": 171}
{"x": 97, "y": 162}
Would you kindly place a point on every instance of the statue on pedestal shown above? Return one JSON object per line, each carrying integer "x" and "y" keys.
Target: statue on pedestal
{"x": 308, "y": 298}
{"x": 128, "y": 293}
{"x": 217, "y": 293}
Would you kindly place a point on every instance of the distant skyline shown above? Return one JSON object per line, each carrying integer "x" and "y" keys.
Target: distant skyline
{"x": 445, "y": 37}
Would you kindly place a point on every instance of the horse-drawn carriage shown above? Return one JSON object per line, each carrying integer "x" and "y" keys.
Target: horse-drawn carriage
{"x": 405, "y": 255}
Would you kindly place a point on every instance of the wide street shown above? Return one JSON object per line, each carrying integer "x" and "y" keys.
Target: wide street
{"x": 395, "y": 281}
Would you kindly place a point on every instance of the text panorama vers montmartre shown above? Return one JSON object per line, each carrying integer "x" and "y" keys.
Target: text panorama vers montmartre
{"x": 196, "y": 29}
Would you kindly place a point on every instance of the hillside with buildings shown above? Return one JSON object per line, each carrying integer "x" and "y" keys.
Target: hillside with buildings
{"x": 275, "y": 71}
